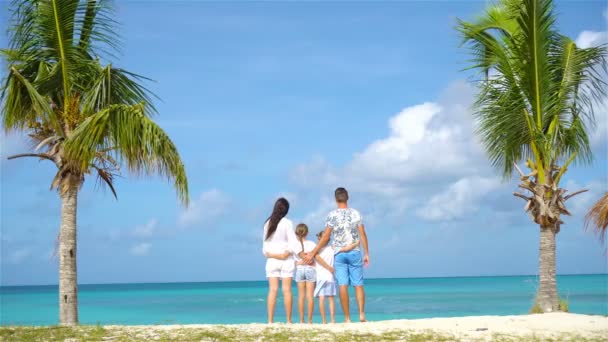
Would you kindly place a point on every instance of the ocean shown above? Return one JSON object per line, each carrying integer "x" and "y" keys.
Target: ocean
{"x": 245, "y": 301}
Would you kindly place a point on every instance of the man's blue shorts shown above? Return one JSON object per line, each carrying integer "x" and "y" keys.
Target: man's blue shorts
{"x": 349, "y": 268}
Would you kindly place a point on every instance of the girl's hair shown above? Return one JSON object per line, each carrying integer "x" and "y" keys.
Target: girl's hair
{"x": 301, "y": 232}
{"x": 319, "y": 234}
{"x": 281, "y": 207}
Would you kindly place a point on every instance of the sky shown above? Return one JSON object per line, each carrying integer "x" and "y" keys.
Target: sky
{"x": 269, "y": 99}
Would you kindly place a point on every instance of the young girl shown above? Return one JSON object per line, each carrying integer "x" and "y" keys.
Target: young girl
{"x": 326, "y": 285}
{"x": 305, "y": 274}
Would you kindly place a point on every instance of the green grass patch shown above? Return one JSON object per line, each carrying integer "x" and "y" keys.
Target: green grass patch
{"x": 225, "y": 333}
{"x": 562, "y": 305}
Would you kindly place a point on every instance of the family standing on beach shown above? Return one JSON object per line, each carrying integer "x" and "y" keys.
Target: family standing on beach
{"x": 317, "y": 267}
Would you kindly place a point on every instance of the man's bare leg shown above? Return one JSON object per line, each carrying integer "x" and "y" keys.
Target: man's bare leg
{"x": 344, "y": 302}
{"x": 360, "y": 294}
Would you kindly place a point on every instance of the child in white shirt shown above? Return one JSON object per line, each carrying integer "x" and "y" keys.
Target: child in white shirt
{"x": 326, "y": 284}
{"x": 305, "y": 274}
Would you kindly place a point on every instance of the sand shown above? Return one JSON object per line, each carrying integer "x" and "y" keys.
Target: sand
{"x": 553, "y": 325}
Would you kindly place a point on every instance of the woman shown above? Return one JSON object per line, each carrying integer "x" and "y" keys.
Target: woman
{"x": 280, "y": 243}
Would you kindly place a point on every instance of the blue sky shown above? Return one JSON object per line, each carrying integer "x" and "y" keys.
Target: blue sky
{"x": 295, "y": 98}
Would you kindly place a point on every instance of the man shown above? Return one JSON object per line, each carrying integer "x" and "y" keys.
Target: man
{"x": 345, "y": 226}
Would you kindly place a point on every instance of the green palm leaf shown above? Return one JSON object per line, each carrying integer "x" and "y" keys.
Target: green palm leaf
{"x": 133, "y": 138}
{"x": 535, "y": 104}
{"x": 86, "y": 117}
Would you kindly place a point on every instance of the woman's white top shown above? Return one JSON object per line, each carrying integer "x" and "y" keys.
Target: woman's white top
{"x": 283, "y": 239}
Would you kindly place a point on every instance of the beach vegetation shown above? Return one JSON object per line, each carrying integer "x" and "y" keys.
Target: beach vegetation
{"x": 536, "y": 100}
{"x": 81, "y": 113}
{"x": 226, "y": 333}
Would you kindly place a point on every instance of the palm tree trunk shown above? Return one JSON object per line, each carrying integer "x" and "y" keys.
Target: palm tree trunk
{"x": 547, "y": 293}
{"x": 68, "y": 285}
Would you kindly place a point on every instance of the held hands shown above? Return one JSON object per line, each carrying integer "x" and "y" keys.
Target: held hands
{"x": 307, "y": 258}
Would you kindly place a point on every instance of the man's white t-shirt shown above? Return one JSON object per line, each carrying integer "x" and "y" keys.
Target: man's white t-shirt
{"x": 327, "y": 254}
{"x": 344, "y": 224}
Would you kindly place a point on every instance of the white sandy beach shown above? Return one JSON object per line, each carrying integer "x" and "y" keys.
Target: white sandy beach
{"x": 558, "y": 326}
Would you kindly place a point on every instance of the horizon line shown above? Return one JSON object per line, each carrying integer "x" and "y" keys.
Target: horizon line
{"x": 242, "y": 281}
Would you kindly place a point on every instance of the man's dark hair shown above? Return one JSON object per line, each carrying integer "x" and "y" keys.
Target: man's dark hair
{"x": 341, "y": 195}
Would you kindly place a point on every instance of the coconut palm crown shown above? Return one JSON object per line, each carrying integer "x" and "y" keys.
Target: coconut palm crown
{"x": 85, "y": 116}
{"x": 535, "y": 104}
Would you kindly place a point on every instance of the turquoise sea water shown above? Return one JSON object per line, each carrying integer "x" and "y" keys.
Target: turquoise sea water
{"x": 244, "y": 302}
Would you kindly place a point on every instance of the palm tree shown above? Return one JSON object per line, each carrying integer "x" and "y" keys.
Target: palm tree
{"x": 535, "y": 103}
{"x": 597, "y": 217}
{"x": 86, "y": 117}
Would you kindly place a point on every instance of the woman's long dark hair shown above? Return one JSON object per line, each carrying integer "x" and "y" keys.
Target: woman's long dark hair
{"x": 281, "y": 207}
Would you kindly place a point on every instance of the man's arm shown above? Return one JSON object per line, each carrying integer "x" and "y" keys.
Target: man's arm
{"x": 363, "y": 237}
{"x": 308, "y": 257}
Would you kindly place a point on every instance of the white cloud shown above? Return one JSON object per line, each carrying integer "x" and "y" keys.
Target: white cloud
{"x": 591, "y": 38}
{"x": 12, "y": 144}
{"x": 458, "y": 199}
{"x": 146, "y": 230}
{"x": 316, "y": 219}
{"x": 430, "y": 147}
{"x": 209, "y": 206}
{"x": 141, "y": 249}
{"x": 579, "y": 204}
{"x": 19, "y": 256}
{"x": 426, "y": 141}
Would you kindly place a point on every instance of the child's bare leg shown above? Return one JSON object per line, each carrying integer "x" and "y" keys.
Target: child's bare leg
{"x": 310, "y": 299}
{"x": 332, "y": 309}
{"x": 322, "y": 309}
{"x": 301, "y": 296}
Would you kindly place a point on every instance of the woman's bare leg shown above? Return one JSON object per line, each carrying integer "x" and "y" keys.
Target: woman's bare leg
{"x": 273, "y": 289}
{"x": 322, "y": 309}
{"x": 332, "y": 309}
{"x": 287, "y": 298}
{"x": 310, "y": 299}
{"x": 301, "y": 296}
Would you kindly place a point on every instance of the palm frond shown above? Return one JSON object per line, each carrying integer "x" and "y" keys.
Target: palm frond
{"x": 134, "y": 139}
{"x": 114, "y": 85}
{"x": 87, "y": 117}
{"x": 597, "y": 217}
{"x": 24, "y": 105}
{"x": 536, "y": 98}
{"x": 105, "y": 177}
